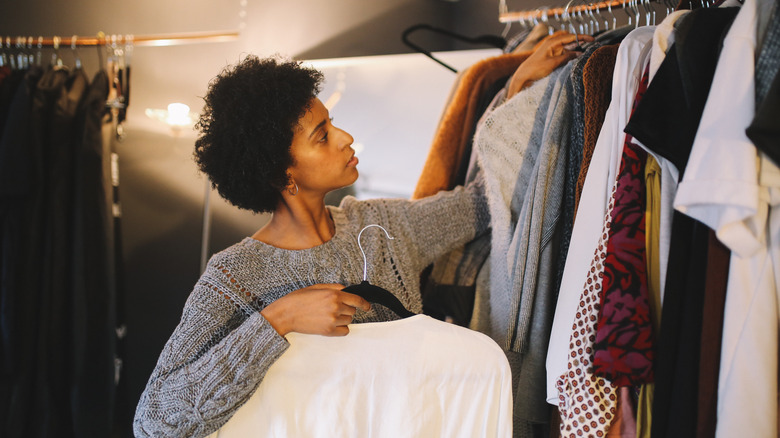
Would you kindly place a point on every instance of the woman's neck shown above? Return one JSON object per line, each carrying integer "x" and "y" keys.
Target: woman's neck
{"x": 298, "y": 223}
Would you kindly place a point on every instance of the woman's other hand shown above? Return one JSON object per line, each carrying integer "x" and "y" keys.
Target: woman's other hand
{"x": 548, "y": 55}
{"x": 321, "y": 309}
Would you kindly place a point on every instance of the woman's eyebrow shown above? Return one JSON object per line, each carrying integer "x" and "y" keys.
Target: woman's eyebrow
{"x": 317, "y": 128}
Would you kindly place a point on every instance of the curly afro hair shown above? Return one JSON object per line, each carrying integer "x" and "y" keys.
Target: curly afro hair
{"x": 246, "y": 128}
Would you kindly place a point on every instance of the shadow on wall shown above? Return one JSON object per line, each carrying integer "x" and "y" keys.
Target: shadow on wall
{"x": 160, "y": 226}
{"x": 382, "y": 35}
{"x": 385, "y": 32}
{"x": 162, "y": 202}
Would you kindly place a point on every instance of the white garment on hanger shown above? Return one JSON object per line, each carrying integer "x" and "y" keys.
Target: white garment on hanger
{"x": 663, "y": 38}
{"x": 720, "y": 187}
{"x": 413, "y": 377}
{"x": 730, "y": 188}
{"x": 632, "y": 57}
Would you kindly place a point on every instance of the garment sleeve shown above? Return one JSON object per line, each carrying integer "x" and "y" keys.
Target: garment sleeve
{"x": 208, "y": 368}
{"x": 442, "y": 222}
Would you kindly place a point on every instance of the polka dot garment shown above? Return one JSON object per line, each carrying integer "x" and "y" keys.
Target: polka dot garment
{"x": 587, "y": 402}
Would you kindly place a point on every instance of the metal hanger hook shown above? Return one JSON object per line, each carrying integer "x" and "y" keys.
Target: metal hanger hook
{"x": 568, "y": 16}
{"x": 73, "y": 41}
{"x": 365, "y": 261}
{"x": 546, "y": 21}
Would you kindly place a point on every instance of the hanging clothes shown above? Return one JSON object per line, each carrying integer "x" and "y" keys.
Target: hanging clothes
{"x": 447, "y": 294}
{"x": 642, "y": 296}
{"x": 706, "y": 230}
{"x": 729, "y": 187}
{"x": 21, "y": 183}
{"x": 11, "y": 79}
{"x": 94, "y": 300}
{"x": 56, "y": 336}
{"x": 762, "y": 130}
{"x": 674, "y": 408}
{"x": 527, "y": 40}
{"x": 597, "y": 84}
{"x": 455, "y": 129}
{"x": 718, "y": 256}
{"x": 57, "y": 320}
{"x": 652, "y": 236}
{"x": 623, "y": 350}
{"x": 51, "y": 336}
{"x": 534, "y": 249}
{"x": 596, "y": 193}
{"x": 574, "y": 156}
{"x": 675, "y": 403}
{"x": 530, "y": 167}
{"x": 501, "y": 144}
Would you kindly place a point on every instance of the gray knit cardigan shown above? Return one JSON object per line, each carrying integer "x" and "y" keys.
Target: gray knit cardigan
{"x": 223, "y": 346}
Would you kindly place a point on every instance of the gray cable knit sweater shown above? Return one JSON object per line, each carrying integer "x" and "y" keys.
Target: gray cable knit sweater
{"x": 222, "y": 347}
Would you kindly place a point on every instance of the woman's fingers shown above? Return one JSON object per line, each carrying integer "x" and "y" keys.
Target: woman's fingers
{"x": 342, "y": 320}
{"x": 348, "y": 302}
{"x": 340, "y": 323}
{"x": 318, "y": 309}
{"x": 355, "y": 301}
{"x": 339, "y": 331}
{"x": 347, "y": 305}
{"x": 563, "y": 37}
{"x": 564, "y": 57}
{"x": 345, "y": 309}
{"x": 562, "y": 42}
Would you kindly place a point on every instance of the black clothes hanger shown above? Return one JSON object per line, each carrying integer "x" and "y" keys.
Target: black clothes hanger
{"x": 491, "y": 40}
{"x": 375, "y": 294}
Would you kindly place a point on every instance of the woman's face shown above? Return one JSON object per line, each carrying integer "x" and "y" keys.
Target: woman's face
{"x": 323, "y": 157}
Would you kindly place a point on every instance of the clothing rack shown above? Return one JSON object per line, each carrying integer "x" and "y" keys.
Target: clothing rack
{"x": 136, "y": 40}
{"x": 543, "y": 14}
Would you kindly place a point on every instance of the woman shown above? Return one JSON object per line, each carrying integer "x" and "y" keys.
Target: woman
{"x": 268, "y": 145}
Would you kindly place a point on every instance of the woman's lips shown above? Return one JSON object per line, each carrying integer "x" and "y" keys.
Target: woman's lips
{"x": 352, "y": 161}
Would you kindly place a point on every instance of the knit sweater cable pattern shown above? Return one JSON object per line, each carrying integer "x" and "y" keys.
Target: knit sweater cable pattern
{"x": 223, "y": 346}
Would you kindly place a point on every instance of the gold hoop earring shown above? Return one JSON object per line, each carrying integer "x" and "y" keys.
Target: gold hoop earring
{"x": 290, "y": 191}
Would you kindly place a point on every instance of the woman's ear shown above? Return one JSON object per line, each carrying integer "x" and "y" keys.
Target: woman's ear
{"x": 292, "y": 186}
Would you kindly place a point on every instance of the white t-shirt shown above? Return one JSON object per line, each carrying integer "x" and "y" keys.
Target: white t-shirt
{"x": 413, "y": 377}
{"x": 720, "y": 187}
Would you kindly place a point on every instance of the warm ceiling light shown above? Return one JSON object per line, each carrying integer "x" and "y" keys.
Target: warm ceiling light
{"x": 177, "y": 115}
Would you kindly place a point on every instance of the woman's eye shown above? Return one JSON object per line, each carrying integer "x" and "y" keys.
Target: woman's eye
{"x": 324, "y": 138}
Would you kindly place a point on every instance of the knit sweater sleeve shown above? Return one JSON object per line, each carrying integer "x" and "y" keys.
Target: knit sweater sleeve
{"x": 439, "y": 223}
{"x": 210, "y": 366}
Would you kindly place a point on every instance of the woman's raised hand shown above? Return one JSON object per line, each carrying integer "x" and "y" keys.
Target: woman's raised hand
{"x": 321, "y": 309}
{"x": 547, "y": 56}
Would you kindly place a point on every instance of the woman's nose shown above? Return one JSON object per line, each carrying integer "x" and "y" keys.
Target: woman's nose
{"x": 346, "y": 139}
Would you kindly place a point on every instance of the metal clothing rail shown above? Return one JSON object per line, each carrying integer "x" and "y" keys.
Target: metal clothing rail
{"x": 136, "y": 40}
{"x": 540, "y": 14}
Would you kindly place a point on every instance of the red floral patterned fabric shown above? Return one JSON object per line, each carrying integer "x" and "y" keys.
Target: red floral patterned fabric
{"x": 624, "y": 347}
